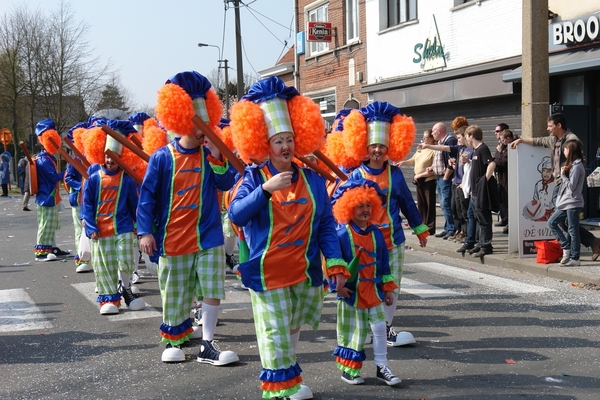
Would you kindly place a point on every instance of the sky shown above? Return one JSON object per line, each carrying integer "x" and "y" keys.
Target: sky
{"x": 148, "y": 41}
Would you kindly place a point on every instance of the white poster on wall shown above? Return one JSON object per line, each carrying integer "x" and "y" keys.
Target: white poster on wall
{"x": 532, "y": 168}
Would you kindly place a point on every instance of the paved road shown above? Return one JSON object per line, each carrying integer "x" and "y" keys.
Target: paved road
{"x": 483, "y": 332}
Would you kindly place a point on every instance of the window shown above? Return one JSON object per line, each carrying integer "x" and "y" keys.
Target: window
{"x": 318, "y": 14}
{"x": 351, "y": 20}
{"x": 400, "y": 11}
{"x": 326, "y": 102}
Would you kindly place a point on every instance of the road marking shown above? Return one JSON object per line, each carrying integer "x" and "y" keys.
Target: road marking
{"x": 87, "y": 290}
{"x": 426, "y": 291}
{"x": 18, "y": 312}
{"x": 507, "y": 285}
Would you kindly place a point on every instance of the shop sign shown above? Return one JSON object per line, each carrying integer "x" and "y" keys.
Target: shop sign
{"x": 430, "y": 53}
{"x": 575, "y": 32}
{"x": 319, "y": 31}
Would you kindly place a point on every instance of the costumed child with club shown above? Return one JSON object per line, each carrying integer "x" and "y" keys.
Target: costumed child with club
{"x": 109, "y": 213}
{"x": 361, "y": 301}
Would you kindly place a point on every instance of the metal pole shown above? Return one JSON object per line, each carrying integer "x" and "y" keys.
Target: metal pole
{"x": 226, "y": 88}
{"x": 238, "y": 51}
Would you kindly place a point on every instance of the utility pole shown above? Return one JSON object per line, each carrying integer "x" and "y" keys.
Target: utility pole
{"x": 226, "y": 86}
{"x": 238, "y": 50}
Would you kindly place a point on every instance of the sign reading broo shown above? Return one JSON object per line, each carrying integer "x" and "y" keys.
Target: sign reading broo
{"x": 574, "y": 32}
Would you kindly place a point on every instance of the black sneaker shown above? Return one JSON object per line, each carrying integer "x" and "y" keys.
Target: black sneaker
{"x": 60, "y": 253}
{"x": 133, "y": 302}
{"x": 232, "y": 263}
{"x": 353, "y": 380}
{"x": 211, "y": 354}
{"x": 385, "y": 374}
{"x": 482, "y": 252}
{"x": 465, "y": 247}
{"x": 475, "y": 249}
{"x": 440, "y": 234}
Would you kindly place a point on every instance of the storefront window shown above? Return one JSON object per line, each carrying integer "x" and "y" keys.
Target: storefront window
{"x": 326, "y": 103}
{"x": 572, "y": 90}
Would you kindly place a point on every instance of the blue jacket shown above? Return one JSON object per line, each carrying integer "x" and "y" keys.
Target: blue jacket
{"x": 156, "y": 194}
{"x": 48, "y": 179}
{"x": 73, "y": 179}
{"x": 126, "y": 205}
{"x": 250, "y": 209}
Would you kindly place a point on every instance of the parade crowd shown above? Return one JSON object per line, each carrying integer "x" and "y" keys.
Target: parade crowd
{"x": 309, "y": 211}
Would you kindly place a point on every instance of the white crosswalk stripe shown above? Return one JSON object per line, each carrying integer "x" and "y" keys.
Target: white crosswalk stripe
{"x": 502, "y": 284}
{"x": 425, "y": 290}
{"x": 18, "y": 312}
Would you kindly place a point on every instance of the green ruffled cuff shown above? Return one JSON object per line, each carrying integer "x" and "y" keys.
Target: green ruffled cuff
{"x": 333, "y": 262}
{"x": 388, "y": 278}
{"x": 219, "y": 168}
{"x": 420, "y": 229}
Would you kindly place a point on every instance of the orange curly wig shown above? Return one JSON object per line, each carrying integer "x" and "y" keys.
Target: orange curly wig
{"x": 94, "y": 144}
{"x": 343, "y": 209}
{"x": 355, "y": 137}
{"x": 45, "y": 140}
{"x": 458, "y": 122}
{"x": 174, "y": 109}
{"x": 249, "y": 131}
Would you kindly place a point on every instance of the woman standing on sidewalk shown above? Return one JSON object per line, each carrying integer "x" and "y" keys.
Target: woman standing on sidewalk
{"x": 569, "y": 203}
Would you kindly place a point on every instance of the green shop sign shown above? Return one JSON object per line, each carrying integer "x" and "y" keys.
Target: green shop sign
{"x": 431, "y": 54}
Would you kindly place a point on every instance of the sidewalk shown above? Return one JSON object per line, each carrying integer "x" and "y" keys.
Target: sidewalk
{"x": 587, "y": 272}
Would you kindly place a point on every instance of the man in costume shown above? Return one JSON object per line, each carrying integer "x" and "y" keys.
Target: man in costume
{"x": 179, "y": 222}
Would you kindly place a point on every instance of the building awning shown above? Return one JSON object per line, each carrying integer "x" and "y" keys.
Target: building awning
{"x": 574, "y": 61}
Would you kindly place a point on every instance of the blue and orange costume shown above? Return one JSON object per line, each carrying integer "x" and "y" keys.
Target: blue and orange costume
{"x": 47, "y": 197}
{"x": 286, "y": 231}
{"x": 178, "y": 206}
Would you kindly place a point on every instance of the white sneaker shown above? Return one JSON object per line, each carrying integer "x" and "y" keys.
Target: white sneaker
{"x": 571, "y": 263}
{"x": 135, "y": 277}
{"x": 172, "y": 354}
{"x": 85, "y": 267}
{"x": 566, "y": 256}
{"x": 135, "y": 289}
{"x": 48, "y": 257}
{"x": 303, "y": 394}
{"x": 109, "y": 308}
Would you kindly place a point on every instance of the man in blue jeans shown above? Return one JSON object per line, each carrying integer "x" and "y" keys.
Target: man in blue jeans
{"x": 444, "y": 173}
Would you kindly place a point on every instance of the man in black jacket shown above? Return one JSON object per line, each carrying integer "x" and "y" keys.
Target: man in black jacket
{"x": 483, "y": 195}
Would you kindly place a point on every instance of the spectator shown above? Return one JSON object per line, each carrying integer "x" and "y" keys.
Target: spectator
{"x": 483, "y": 190}
{"x": 5, "y": 172}
{"x": 501, "y": 160}
{"x": 559, "y": 135}
{"x": 443, "y": 172}
{"x": 424, "y": 181}
{"x": 23, "y": 168}
{"x": 569, "y": 203}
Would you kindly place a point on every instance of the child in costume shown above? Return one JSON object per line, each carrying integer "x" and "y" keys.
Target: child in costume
{"x": 287, "y": 222}
{"x": 360, "y": 301}
{"x": 375, "y": 133}
{"x": 109, "y": 212}
{"x": 179, "y": 222}
{"x": 73, "y": 180}
{"x": 48, "y": 195}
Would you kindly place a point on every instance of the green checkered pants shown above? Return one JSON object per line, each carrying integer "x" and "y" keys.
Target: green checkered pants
{"x": 396, "y": 263}
{"x": 227, "y": 229}
{"x": 353, "y": 324}
{"x": 48, "y": 224}
{"x": 109, "y": 255}
{"x": 276, "y": 312}
{"x": 181, "y": 277}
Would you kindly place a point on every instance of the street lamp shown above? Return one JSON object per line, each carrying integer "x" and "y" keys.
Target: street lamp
{"x": 226, "y": 91}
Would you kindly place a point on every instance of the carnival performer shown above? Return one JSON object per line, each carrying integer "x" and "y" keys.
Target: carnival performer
{"x": 286, "y": 218}
{"x": 74, "y": 180}
{"x": 179, "y": 222}
{"x": 360, "y": 301}
{"x": 47, "y": 197}
{"x": 109, "y": 212}
{"x": 379, "y": 132}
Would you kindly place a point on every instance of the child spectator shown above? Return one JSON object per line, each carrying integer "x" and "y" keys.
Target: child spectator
{"x": 569, "y": 203}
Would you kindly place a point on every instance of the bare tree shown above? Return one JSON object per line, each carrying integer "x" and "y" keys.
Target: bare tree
{"x": 70, "y": 75}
